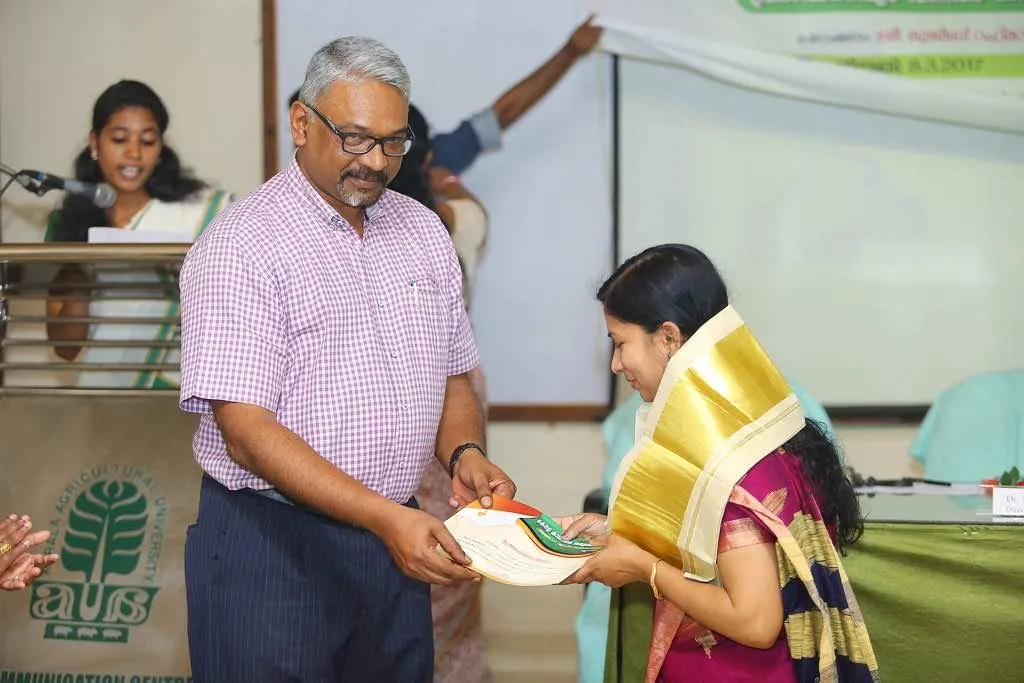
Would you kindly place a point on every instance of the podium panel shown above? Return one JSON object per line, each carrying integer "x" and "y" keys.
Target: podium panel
{"x": 114, "y": 480}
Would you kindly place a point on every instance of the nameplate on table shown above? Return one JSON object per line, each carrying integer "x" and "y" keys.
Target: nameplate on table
{"x": 1008, "y": 501}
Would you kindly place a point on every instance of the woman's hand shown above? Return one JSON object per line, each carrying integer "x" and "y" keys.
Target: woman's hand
{"x": 26, "y": 569}
{"x": 14, "y": 539}
{"x": 69, "y": 298}
{"x": 19, "y": 567}
{"x": 588, "y": 524}
{"x": 440, "y": 178}
{"x": 620, "y": 562}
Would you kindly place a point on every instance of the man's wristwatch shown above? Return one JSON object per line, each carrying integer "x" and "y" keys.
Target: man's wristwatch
{"x": 457, "y": 453}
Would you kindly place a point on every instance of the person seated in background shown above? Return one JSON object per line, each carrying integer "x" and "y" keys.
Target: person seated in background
{"x": 972, "y": 430}
{"x": 155, "y": 194}
{"x": 18, "y": 567}
{"x": 732, "y": 501}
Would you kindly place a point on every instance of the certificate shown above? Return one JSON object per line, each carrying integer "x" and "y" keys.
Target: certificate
{"x": 516, "y": 544}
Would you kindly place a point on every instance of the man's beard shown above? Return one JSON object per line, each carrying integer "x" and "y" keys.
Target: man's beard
{"x": 360, "y": 199}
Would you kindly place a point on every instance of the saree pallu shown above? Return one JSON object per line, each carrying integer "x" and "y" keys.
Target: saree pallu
{"x": 156, "y": 298}
{"x": 721, "y": 408}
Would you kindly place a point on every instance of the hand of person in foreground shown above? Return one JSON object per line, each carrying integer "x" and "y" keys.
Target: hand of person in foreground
{"x": 19, "y": 567}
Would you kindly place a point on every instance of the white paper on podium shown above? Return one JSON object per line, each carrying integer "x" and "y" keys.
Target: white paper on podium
{"x": 121, "y": 236}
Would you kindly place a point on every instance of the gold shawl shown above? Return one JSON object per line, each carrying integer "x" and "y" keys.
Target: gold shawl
{"x": 722, "y": 405}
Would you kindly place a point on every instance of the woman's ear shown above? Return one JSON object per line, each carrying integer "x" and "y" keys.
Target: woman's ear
{"x": 672, "y": 336}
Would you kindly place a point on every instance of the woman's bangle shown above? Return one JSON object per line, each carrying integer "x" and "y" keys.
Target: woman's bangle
{"x": 654, "y": 580}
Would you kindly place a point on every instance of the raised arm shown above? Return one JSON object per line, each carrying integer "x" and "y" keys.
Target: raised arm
{"x": 521, "y": 97}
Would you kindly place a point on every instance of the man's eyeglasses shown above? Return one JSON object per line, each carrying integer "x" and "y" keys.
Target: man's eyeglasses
{"x": 358, "y": 143}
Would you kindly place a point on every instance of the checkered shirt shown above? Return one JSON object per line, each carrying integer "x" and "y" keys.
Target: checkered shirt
{"x": 348, "y": 341}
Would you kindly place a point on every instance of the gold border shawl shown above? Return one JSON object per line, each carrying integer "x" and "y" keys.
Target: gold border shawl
{"x": 722, "y": 405}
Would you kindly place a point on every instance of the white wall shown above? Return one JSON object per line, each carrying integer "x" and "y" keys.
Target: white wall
{"x": 57, "y": 56}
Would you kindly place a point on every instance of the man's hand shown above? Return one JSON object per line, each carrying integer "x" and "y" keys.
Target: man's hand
{"x": 477, "y": 477}
{"x": 412, "y": 537}
{"x": 585, "y": 37}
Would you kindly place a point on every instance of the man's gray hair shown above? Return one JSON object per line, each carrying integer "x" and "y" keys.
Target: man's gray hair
{"x": 354, "y": 59}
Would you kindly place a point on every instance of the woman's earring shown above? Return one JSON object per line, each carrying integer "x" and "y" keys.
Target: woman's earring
{"x": 95, "y": 155}
{"x": 671, "y": 348}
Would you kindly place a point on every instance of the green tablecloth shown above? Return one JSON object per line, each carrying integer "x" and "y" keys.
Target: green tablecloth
{"x": 940, "y": 583}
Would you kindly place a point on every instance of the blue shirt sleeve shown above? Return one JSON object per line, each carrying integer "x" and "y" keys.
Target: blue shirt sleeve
{"x": 458, "y": 149}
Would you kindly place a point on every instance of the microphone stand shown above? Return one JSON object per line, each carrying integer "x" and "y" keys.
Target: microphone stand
{"x": 5, "y": 279}
{"x": 7, "y": 170}
{"x": 35, "y": 187}
{"x": 23, "y": 179}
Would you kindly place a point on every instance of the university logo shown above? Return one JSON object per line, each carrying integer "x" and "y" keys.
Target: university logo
{"x": 108, "y": 528}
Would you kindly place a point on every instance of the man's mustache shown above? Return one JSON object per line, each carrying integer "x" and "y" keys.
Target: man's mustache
{"x": 366, "y": 174}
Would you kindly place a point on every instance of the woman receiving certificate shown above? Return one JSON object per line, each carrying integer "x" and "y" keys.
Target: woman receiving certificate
{"x": 731, "y": 505}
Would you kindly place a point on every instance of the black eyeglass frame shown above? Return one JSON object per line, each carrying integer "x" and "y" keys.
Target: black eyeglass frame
{"x": 370, "y": 141}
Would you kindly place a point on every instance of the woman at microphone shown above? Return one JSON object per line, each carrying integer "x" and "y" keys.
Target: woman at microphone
{"x": 155, "y": 194}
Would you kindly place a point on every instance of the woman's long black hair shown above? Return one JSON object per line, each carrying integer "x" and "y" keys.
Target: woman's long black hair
{"x": 678, "y": 283}
{"x": 169, "y": 182}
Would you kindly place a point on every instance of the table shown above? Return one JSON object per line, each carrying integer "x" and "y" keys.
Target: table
{"x": 932, "y": 507}
{"x": 939, "y": 580}
{"x": 941, "y": 585}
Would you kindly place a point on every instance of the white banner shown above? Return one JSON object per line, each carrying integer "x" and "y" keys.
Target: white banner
{"x": 888, "y": 226}
{"x": 940, "y": 62}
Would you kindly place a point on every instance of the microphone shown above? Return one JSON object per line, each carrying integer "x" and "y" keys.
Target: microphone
{"x": 101, "y": 195}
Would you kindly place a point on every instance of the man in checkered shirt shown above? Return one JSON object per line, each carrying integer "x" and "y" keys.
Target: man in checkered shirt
{"x": 325, "y": 345}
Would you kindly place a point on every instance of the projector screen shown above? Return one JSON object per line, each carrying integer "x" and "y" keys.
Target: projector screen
{"x": 547, "y": 191}
{"x": 878, "y": 259}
